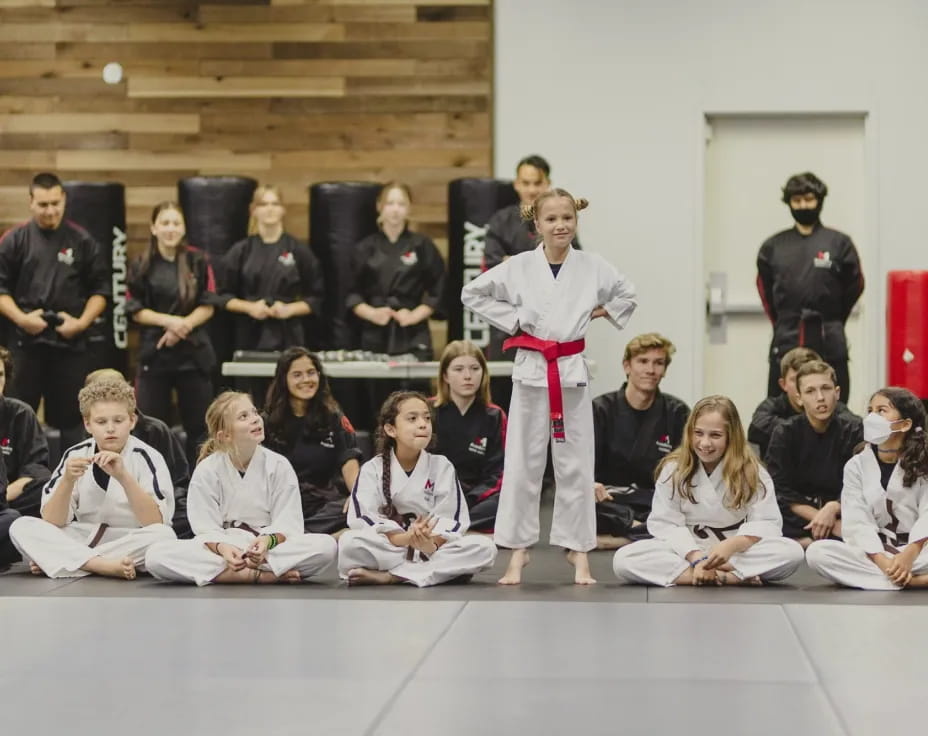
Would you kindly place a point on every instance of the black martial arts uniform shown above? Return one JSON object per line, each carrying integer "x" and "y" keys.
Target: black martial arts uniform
{"x": 156, "y": 433}
{"x": 808, "y": 285}
{"x": 25, "y": 453}
{"x": 401, "y": 275}
{"x": 55, "y": 270}
{"x": 771, "y": 412}
{"x": 474, "y": 442}
{"x": 285, "y": 271}
{"x": 318, "y": 454}
{"x": 8, "y": 553}
{"x": 630, "y": 443}
{"x": 186, "y": 366}
{"x": 808, "y": 467}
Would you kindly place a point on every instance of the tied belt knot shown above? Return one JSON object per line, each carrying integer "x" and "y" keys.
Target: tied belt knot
{"x": 550, "y": 350}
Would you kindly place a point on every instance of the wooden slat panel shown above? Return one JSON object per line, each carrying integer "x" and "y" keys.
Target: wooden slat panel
{"x": 381, "y": 12}
{"x": 312, "y": 68}
{"x": 154, "y": 161}
{"x": 417, "y": 31}
{"x": 96, "y": 122}
{"x": 168, "y": 50}
{"x": 242, "y": 32}
{"x": 72, "y": 68}
{"x": 237, "y": 87}
{"x": 385, "y": 47}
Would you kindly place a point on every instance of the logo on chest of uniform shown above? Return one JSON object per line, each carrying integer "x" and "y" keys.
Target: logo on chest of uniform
{"x": 478, "y": 446}
{"x": 429, "y": 490}
{"x": 663, "y": 444}
{"x": 409, "y": 258}
{"x": 286, "y": 258}
{"x": 329, "y": 441}
{"x": 5, "y": 446}
{"x": 66, "y": 256}
{"x": 822, "y": 260}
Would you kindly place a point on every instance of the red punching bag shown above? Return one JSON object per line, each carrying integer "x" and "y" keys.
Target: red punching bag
{"x": 907, "y": 330}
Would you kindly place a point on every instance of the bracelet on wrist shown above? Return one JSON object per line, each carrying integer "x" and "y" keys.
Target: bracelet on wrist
{"x": 701, "y": 559}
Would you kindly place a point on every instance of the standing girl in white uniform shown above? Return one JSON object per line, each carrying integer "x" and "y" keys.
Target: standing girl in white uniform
{"x": 408, "y": 515}
{"x": 551, "y": 294}
{"x": 244, "y": 509}
{"x": 884, "y": 502}
{"x": 714, "y": 518}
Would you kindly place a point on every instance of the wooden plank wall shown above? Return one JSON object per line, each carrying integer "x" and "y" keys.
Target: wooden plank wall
{"x": 289, "y": 92}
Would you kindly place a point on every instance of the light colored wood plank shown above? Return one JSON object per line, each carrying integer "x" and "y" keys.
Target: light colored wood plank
{"x": 95, "y": 122}
{"x": 367, "y": 87}
{"x": 27, "y": 159}
{"x": 73, "y": 68}
{"x": 164, "y": 50}
{"x": 312, "y": 68}
{"x": 321, "y": 13}
{"x": 237, "y": 87}
{"x": 242, "y": 32}
{"x": 458, "y": 30}
{"x": 44, "y": 32}
{"x": 148, "y": 197}
{"x": 27, "y": 51}
{"x": 27, "y": 3}
{"x": 154, "y": 161}
{"x": 379, "y": 2}
{"x": 358, "y": 159}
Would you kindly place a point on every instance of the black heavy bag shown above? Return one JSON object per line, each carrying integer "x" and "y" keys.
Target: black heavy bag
{"x": 340, "y": 214}
{"x": 100, "y": 208}
{"x": 216, "y": 213}
{"x": 471, "y": 203}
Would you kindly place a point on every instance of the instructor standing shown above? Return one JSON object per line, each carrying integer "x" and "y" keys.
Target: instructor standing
{"x": 809, "y": 279}
{"x": 54, "y": 282}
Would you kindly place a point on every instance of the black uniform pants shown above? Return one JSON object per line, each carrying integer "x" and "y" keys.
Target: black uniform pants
{"x": 29, "y": 502}
{"x": 841, "y": 372}
{"x": 8, "y": 553}
{"x": 615, "y": 516}
{"x": 194, "y": 394}
{"x": 483, "y": 513}
{"x": 57, "y": 375}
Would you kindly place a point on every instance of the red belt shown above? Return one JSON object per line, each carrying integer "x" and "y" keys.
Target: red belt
{"x": 550, "y": 351}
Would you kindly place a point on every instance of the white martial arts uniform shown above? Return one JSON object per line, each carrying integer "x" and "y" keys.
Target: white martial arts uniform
{"x": 431, "y": 488}
{"x": 874, "y": 520}
{"x": 523, "y": 293}
{"x": 101, "y": 522}
{"x": 223, "y": 506}
{"x": 680, "y": 526}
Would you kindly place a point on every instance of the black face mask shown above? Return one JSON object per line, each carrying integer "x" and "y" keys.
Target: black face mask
{"x": 806, "y": 217}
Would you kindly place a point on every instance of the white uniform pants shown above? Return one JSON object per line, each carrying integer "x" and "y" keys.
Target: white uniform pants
{"x": 190, "y": 561}
{"x": 653, "y": 562}
{"x": 464, "y": 555}
{"x": 843, "y": 564}
{"x": 527, "y": 438}
{"x": 61, "y": 552}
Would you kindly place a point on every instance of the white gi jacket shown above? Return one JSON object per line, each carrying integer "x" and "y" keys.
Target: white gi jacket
{"x": 97, "y": 498}
{"x": 871, "y": 516}
{"x": 523, "y": 293}
{"x": 432, "y": 488}
{"x": 688, "y": 526}
{"x": 266, "y": 500}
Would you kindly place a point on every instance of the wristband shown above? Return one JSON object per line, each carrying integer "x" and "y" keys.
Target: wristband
{"x": 701, "y": 559}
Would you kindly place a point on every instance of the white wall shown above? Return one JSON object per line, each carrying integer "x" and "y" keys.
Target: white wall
{"x": 613, "y": 93}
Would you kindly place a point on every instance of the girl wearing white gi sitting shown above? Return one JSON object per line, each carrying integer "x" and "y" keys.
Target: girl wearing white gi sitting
{"x": 243, "y": 505}
{"x": 551, "y": 294}
{"x": 714, "y": 519}
{"x": 110, "y": 497}
{"x": 884, "y": 502}
{"x": 407, "y": 515}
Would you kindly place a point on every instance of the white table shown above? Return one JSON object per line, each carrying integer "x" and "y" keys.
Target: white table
{"x": 358, "y": 369}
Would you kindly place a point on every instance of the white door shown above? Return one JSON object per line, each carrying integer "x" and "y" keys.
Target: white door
{"x": 748, "y": 160}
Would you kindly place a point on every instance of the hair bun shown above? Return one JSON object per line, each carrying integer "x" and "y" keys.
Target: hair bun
{"x": 527, "y": 211}
{"x": 581, "y": 204}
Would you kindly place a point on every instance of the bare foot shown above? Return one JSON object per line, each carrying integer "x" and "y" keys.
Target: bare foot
{"x": 730, "y": 578}
{"x": 517, "y": 561}
{"x": 35, "y": 569}
{"x": 336, "y": 535}
{"x": 918, "y": 581}
{"x": 123, "y": 568}
{"x": 291, "y": 576}
{"x": 363, "y": 576}
{"x": 607, "y": 541}
{"x": 581, "y": 563}
{"x": 245, "y": 576}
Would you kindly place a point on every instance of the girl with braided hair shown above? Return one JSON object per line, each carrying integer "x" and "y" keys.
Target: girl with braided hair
{"x": 407, "y": 515}
{"x": 884, "y": 502}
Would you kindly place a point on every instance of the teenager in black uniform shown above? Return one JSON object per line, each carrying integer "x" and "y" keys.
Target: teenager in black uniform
{"x": 270, "y": 280}
{"x": 470, "y": 430}
{"x": 398, "y": 281}
{"x": 771, "y": 412}
{"x": 171, "y": 293}
{"x": 305, "y": 425}
{"x": 22, "y": 446}
{"x": 158, "y": 434}
{"x": 635, "y": 428}
{"x": 809, "y": 279}
{"x": 807, "y": 454}
{"x": 54, "y": 282}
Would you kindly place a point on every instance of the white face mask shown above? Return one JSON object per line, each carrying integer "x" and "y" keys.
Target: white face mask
{"x": 877, "y": 429}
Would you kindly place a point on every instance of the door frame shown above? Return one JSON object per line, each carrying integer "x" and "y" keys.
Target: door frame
{"x": 874, "y": 296}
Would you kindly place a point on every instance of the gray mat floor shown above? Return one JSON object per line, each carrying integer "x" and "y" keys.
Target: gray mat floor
{"x": 95, "y": 656}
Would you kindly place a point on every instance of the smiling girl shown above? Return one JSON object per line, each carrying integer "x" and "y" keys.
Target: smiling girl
{"x": 714, "y": 519}
{"x": 408, "y": 516}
